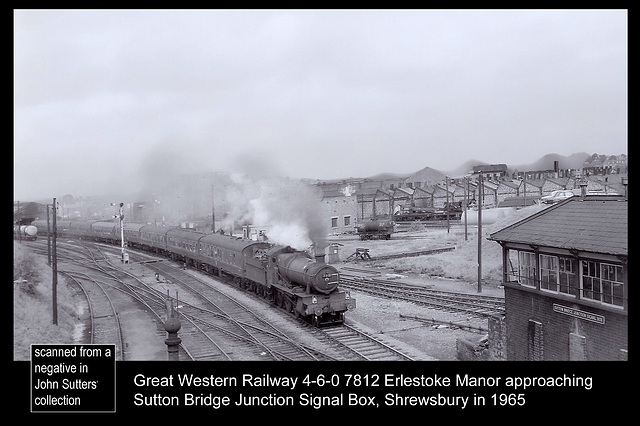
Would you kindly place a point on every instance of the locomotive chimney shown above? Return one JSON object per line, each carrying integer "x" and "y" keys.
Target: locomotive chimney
{"x": 318, "y": 256}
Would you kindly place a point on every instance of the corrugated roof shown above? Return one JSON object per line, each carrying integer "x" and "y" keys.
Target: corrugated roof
{"x": 595, "y": 224}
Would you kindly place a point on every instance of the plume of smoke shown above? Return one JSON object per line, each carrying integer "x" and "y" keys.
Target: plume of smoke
{"x": 290, "y": 210}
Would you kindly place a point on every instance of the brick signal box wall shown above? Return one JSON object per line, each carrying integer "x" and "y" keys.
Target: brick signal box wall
{"x": 537, "y": 331}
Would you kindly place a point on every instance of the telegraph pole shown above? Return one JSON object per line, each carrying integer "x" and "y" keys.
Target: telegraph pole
{"x": 213, "y": 213}
{"x": 19, "y": 225}
{"x": 48, "y": 238}
{"x": 466, "y": 205}
{"x": 480, "y": 197}
{"x": 524, "y": 184}
{"x": 446, "y": 185}
{"x": 54, "y": 283}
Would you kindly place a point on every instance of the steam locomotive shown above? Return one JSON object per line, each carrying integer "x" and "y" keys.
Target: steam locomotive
{"x": 289, "y": 278}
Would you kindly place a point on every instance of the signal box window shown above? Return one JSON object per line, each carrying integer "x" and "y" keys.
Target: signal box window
{"x": 527, "y": 268}
{"x": 603, "y": 282}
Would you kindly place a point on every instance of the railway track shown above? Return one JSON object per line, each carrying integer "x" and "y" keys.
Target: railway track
{"x": 105, "y": 326}
{"x": 214, "y": 326}
{"x": 107, "y": 295}
{"x": 364, "y": 346}
{"x": 212, "y": 309}
{"x": 350, "y": 343}
{"x": 97, "y": 263}
{"x": 477, "y": 305}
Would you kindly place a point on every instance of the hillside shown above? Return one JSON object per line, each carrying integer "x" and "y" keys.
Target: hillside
{"x": 428, "y": 175}
{"x": 573, "y": 161}
{"x": 464, "y": 168}
{"x": 32, "y": 305}
{"x": 389, "y": 176}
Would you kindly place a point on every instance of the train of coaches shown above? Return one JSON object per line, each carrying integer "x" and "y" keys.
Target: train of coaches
{"x": 291, "y": 279}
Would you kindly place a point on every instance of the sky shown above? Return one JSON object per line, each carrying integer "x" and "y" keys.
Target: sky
{"x": 110, "y": 100}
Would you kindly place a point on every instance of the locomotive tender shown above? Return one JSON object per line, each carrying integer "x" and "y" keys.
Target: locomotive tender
{"x": 289, "y": 278}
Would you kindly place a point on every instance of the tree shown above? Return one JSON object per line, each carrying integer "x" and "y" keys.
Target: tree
{"x": 68, "y": 199}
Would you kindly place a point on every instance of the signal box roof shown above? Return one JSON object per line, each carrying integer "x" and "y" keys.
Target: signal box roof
{"x": 596, "y": 224}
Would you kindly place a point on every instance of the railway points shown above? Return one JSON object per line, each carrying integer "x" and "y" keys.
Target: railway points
{"x": 176, "y": 278}
{"x": 147, "y": 267}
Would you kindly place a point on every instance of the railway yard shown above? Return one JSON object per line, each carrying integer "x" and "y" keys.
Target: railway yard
{"x": 398, "y": 317}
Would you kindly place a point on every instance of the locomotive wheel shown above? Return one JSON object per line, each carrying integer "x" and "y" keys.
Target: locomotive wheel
{"x": 288, "y": 306}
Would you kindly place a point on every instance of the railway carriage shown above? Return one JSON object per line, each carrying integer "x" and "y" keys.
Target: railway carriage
{"x": 63, "y": 227}
{"x": 132, "y": 233}
{"x": 154, "y": 238}
{"x": 182, "y": 244}
{"x": 243, "y": 259}
{"x": 79, "y": 229}
{"x": 108, "y": 232}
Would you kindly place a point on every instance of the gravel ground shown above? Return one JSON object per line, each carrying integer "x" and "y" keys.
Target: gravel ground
{"x": 422, "y": 341}
{"x": 381, "y": 317}
{"x": 425, "y": 340}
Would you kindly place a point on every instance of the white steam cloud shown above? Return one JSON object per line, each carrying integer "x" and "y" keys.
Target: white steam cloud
{"x": 290, "y": 210}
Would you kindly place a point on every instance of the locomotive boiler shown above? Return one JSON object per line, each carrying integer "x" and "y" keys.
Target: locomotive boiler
{"x": 297, "y": 268}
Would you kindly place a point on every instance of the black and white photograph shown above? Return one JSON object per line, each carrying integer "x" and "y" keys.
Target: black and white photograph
{"x": 348, "y": 185}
